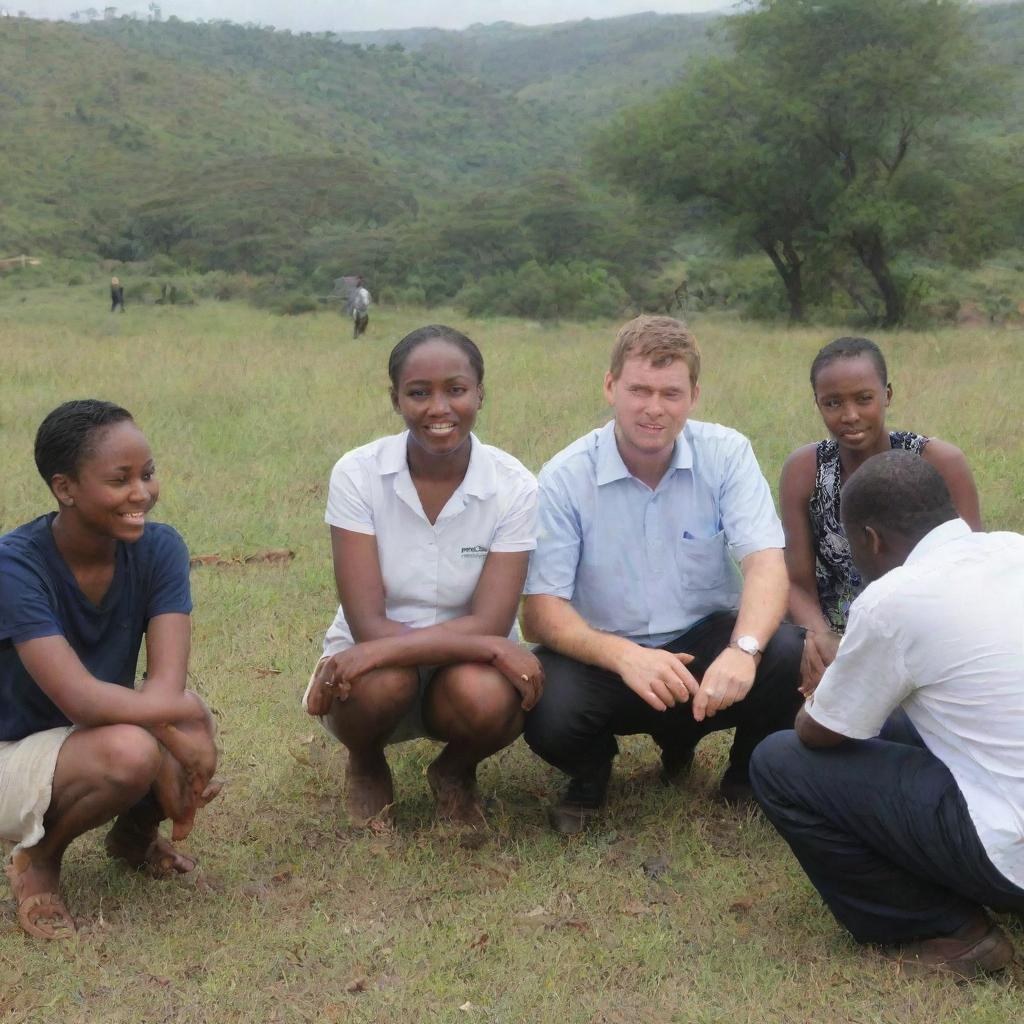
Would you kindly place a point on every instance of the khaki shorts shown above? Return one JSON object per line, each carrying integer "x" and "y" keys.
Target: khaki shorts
{"x": 26, "y": 784}
{"x": 411, "y": 726}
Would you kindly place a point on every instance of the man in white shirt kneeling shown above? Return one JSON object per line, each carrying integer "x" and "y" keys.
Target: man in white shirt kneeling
{"x": 901, "y": 790}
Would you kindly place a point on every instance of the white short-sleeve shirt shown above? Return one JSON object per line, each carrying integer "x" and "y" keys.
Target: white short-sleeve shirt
{"x": 430, "y": 571}
{"x": 943, "y": 637}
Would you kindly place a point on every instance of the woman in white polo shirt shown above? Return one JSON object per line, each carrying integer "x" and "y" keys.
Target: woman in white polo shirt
{"x": 431, "y": 533}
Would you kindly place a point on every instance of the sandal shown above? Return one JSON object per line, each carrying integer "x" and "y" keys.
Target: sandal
{"x": 44, "y": 915}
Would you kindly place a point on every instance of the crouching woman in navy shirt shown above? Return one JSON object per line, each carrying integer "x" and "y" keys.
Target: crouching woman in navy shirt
{"x": 79, "y": 745}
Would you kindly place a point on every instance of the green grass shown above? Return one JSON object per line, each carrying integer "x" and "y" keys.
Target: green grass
{"x": 299, "y": 918}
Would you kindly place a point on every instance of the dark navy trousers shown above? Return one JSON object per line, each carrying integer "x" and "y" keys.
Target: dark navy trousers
{"x": 883, "y": 832}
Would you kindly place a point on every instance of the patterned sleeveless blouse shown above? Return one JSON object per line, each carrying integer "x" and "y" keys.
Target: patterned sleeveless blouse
{"x": 838, "y": 581}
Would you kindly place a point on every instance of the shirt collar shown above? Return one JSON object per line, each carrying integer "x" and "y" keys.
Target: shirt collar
{"x": 481, "y": 479}
{"x": 950, "y": 530}
{"x": 610, "y": 466}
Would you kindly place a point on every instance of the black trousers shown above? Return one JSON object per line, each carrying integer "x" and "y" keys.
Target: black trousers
{"x": 584, "y": 708}
{"x": 883, "y": 832}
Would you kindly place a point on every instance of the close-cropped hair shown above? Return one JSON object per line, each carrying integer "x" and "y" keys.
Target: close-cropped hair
{"x": 660, "y": 340}
{"x": 849, "y": 348}
{"x": 897, "y": 491}
{"x": 414, "y": 339}
{"x": 68, "y": 435}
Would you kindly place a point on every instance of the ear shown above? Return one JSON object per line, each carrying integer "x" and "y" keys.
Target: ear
{"x": 696, "y": 395}
{"x": 62, "y": 486}
{"x": 875, "y": 541}
{"x": 609, "y": 387}
{"x": 394, "y": 399}
{"x": 480, "y": 395}
{"x": 888, "y": 395}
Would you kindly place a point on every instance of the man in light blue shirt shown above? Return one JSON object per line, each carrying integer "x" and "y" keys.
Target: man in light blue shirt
{"x": 646, "y": 625}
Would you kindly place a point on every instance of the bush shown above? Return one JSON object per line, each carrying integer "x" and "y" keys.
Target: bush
{"x": 577, "y": 290}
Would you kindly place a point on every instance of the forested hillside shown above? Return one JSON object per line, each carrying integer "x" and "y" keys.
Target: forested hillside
{"x": 441, "y": 164}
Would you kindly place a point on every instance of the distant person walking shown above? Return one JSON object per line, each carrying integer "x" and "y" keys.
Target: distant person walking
{"x": 116, "y": 294}
{"x": 360, "y": 308}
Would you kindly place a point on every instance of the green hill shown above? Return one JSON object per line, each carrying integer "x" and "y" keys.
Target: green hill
{"x": 427, "y": 157}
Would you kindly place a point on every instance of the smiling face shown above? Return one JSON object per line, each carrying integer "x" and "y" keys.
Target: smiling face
{"x": 852, "y": 399}
{"x": 114, "y": 487}
{"x": 438, "y": 395}
{"x": 651, "y": 404}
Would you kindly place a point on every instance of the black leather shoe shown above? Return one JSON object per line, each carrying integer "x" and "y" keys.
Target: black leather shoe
{"x": 676, "y": 763}
{"x": 580, "y": 804}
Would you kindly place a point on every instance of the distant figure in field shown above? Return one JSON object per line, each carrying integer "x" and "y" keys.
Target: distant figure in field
{"x": 360, "y": 308}
{"x": 431, "y": 533}
{"x": 901, "y": 791}
{"x": 116, "y": 294}
{"x": 852, "y": 392}
{"x": 79, "y": 745}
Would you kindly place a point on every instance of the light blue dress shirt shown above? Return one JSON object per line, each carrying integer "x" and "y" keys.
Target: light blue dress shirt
{"x": 647, "y": 564}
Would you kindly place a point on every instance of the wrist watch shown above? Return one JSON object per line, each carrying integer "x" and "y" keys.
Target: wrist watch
{"x": 747, "y": 644}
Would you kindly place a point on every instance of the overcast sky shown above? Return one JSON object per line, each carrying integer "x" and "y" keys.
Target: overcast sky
{"x": 317, "y": 15}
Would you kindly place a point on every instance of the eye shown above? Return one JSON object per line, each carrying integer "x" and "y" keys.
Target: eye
{"x": 458, "y": 389}
{"x": 416, "y": 393}
{"x": 148, "y": 475}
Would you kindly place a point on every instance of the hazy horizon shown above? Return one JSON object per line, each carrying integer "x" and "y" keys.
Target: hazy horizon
{"x": 373, "y": 15}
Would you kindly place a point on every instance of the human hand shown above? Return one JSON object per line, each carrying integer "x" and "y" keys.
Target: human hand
{"x": 660, "y": 678}
{"x": 521, "y": 668}
{"x": 819, "y": 652}
{"x": 727, "y": 681}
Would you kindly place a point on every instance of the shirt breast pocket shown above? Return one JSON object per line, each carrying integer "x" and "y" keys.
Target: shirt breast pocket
{"x": 703, "y": 562}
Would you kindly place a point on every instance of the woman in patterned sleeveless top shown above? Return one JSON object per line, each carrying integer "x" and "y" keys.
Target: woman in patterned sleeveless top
{"x": 852, "y": 392}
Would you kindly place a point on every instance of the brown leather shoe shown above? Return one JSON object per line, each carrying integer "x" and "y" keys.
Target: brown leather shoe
{"x": 979, "y": 947}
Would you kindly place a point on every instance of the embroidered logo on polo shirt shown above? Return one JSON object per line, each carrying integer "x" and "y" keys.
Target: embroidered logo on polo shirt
{"x": 476, "y": 551}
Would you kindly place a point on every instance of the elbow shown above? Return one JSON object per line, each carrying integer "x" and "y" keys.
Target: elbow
{"x": 529, "y": 621}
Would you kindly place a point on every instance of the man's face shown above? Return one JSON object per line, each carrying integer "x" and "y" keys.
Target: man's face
{"x": 651, "y": 404}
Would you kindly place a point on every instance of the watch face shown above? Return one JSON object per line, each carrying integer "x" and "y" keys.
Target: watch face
{"x": 748, "y": 645}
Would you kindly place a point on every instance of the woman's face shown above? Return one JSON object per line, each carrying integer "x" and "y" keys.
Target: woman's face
{"x": 438, "y": 395}
{"x": 852, "y": 399}
{"x": 114, "y": 488}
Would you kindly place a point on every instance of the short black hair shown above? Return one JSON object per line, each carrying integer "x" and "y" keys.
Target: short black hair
{"x": 849, "y": 348}
{"x": 414, "y": 339}
{"x": 67, "y": 436}
{"x": 898, "y": 491}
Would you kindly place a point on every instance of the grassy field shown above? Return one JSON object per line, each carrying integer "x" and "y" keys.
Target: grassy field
{"x": 670, "y": 910}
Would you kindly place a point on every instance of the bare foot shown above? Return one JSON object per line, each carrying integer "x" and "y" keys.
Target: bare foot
{"x": 369, "y": 791}
{"x": 151, "y": 852}
{"x": 41, "y": 911}
{"x": 456, "y": 797}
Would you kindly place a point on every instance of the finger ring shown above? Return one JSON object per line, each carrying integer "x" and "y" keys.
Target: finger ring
{"x": 525, "y": 678}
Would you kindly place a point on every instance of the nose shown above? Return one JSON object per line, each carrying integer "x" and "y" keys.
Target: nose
{"x": 438, "y": 404}
{"x": 849, "y": 413}
{"x": 140, "y": 491}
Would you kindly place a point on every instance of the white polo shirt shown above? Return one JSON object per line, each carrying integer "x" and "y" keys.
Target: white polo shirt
{"x": 943, "y": 637}
{"x": 429, "y": 571}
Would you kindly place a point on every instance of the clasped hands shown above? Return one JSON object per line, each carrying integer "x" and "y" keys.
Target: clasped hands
{"x": 335, "y": 674}
{"x": 661, "y": 679}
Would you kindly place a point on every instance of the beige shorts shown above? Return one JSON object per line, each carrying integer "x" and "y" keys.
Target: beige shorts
{"x": 26, "y": 784}
{"x": 411, "y": 726}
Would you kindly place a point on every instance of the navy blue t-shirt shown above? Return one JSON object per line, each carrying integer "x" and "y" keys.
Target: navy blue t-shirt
{"x": 39, "y": 597}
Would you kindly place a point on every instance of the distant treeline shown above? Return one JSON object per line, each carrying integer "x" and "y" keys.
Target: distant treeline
{"x": 444, "y": 167}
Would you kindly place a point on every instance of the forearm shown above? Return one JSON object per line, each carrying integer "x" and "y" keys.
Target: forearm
{"x": 553, "y": 622}
{"x": 99, "y": 703}
{"x": 805, "y": 609}
{"x": 765, "y": 595}
{"x": 433, "y": 646}
{"x": 813, "y": 735}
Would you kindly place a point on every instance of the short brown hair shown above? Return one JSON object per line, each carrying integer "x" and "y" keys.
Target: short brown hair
{"x": 660, "y": 340}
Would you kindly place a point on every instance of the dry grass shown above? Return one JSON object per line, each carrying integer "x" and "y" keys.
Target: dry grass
{"x": 297, "y": 917}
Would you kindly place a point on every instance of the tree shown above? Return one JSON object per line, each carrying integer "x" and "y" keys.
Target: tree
{"x": 823, "y": 136}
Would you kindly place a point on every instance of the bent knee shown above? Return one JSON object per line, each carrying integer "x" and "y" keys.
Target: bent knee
{"x": 391, "y": 687}
{"x": 480, "y": 697}
{"x": 127, "y": 755}
{"x": 774, "y": 759}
